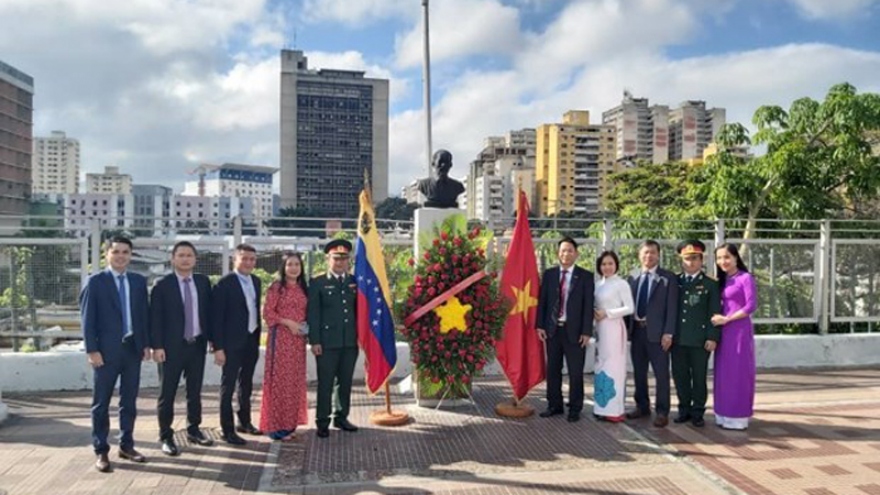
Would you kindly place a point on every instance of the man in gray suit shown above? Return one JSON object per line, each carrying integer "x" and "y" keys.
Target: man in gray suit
{"x": 652, "y": 328}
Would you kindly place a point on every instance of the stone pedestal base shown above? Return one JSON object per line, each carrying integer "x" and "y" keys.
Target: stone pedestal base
{"x": 425, "y": 219}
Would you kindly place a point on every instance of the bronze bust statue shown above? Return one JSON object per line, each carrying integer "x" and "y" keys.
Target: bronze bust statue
{"x": 440, "y": 190}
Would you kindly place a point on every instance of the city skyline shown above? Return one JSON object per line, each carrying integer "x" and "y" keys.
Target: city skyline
{"x": 157, "y": 91}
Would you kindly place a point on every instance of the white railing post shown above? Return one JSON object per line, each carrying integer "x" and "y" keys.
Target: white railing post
{"x": 96, "y": 246}
{"x": 825, "y": 289}
{"x": 607, "y": 234}
{"x": 720, "y": 233}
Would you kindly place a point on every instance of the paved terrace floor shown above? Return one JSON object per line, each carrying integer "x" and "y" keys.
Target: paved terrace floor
{"x": 814, "y": 433}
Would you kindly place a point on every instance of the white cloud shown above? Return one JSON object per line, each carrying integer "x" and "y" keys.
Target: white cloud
{"x": 475, "y": 107}
{"x": 460, "y": 28}
{"x": 357, "y": 12}
{"x": 833, "y": 9}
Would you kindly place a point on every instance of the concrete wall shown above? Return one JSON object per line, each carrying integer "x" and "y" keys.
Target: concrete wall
{"x": 46, "y": 371}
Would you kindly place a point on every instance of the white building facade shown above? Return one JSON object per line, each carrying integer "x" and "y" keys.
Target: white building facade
{"x": 56, "y": 164}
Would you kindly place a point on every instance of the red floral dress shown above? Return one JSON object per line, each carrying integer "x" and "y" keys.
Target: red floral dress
{"x": 284, "y": 403}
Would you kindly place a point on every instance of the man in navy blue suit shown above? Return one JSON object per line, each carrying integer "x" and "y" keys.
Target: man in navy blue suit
{"x": 652, "y": 329}
{"x": 179, "y": 304}
{"x": 115, "y": 326}
{"x": 235, "y": 337}
{"x": 565, "y": 324}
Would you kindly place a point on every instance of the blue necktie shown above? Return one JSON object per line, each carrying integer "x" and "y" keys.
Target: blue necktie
{"x": 642, "y": 298}
{"x": 123, "y": 305}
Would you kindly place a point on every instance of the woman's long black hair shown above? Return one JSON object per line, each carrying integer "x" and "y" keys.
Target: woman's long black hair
{"x": 740, "y": 264}
{"x": 282, "y": 272}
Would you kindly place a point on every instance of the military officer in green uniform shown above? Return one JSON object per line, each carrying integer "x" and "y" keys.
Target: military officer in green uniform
{"x": 699, "y": 299}
{"x": 333, "y": 336}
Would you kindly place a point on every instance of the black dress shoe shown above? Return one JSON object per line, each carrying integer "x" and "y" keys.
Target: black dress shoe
{"x": 574, "y": 417}
{"x": 637, "y": 413}
{"x": 345, "y": 425}
{"x": 102, "y": 463}
{"x": 199, "y": 438}
{"x": 170, "y": 448}
{"x": 698, "y": 422}
{"x": 249, "y": 429}
{"x": 550, "y": 412}
{"x": 233, "y": 439}
{"x": 682, "y": 418}
{"x": 132, "y": 455}
{"x": 323, "y": 432}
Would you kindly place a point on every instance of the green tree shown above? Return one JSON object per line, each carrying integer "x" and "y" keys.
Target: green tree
{"x": 819, "y": 161}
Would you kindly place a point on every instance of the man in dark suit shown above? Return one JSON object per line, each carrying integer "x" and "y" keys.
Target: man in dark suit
{"x": 235, "y": 319}
{"x": 115, "y": 323}
{"x": 565, "y": 324}
{"x": 179, "y": 328}
{"x": 652, "y": 329}
{"x": 333, "y": 336}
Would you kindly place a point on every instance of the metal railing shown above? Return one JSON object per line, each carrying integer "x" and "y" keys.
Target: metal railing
{"x": 813, "y": 276}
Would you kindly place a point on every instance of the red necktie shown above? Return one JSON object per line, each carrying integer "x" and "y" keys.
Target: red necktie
{"x": 561, "y": 295}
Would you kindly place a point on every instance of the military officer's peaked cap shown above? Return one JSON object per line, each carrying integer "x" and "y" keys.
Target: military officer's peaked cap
{"x": 338, "y": 248}
{"x": 688, "y": 248}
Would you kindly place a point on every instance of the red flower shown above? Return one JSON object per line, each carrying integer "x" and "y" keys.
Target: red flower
{"x": 444, "y": 235}
{"x": 437, "y": 267}
{"x": 465, "y": 379}
{"x": 447, "y": 354}
{"x": 435, "y": 379}
{"x": 427, "y": 255}
{"x": 432, "y": 291}
{"x": 411, "y": 261}
{"x": 442, "y": 251}
{"x": 470, "y": 358}
{"x": 457, "y": 241}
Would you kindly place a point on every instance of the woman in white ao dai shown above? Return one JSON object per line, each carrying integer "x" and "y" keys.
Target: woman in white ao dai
{"x": 614, "y": 301}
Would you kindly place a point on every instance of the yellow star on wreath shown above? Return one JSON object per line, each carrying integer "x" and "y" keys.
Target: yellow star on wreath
{"x": 524, "y": 300}
{"x": 452, "y": 315}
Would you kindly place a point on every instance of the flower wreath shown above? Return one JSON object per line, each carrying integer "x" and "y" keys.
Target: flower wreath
{"x": 453, "y": 342}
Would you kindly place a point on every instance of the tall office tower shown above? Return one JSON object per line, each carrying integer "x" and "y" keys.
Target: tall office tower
{"x": 16, "y": 139}
{"x": 56, "y": 164}
{"x": 334, "y": 126}
{"x": 691, "y": 128}
{"x": 503, "y": 165}
{"x": 642, "y": 130}
{"x": 572, "y": 162}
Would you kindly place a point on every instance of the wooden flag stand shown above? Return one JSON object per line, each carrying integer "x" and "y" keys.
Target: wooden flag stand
{"x": 389, "y": 417}
{"x": 514, "y": 409}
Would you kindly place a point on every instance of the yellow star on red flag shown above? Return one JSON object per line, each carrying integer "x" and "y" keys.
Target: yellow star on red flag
{"x": 524, "y": 300}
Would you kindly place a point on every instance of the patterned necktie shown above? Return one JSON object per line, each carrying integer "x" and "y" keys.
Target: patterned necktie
{"x": 123, "y": 304}
{"x": 561, "y": 310}
{"x": 189, "y": 330}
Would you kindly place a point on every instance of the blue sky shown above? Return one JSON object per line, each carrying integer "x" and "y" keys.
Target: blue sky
{"x": 155, "y": 86}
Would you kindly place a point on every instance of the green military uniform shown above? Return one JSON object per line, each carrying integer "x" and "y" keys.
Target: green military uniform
{"x": 332, "y": 324}
{"x": 699, "y": 299}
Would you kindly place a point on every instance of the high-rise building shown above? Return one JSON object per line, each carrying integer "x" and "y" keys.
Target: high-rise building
{"x": 110, "y": 182}
{"x": 235, "y": 180}
{"x": 334, "y": 126}
{"x": 691, "y": 128}
{"x": 572, "y": 163}
{"x": 642, "y": 130}
{"x": 56, "y": 164}
{"x": 504, "y": 164}
{"x": 16, "y": 139}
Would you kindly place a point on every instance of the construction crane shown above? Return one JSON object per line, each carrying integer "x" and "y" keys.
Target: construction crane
{"x": 202, "y": 170}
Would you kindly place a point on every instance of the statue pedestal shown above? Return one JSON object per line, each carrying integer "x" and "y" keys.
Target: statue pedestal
{"x": 425, "y": 219}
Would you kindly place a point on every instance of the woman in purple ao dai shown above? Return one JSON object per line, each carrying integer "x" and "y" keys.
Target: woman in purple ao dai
{"x": 734, "y": 377}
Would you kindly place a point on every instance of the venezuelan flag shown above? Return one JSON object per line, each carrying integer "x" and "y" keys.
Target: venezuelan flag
{"x": 375, "y": 324}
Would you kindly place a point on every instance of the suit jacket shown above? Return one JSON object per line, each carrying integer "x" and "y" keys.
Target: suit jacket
{"x": 102, "y": 315}
{"x": 229, "y": 320}
{"x": 166, "y": 312}
{"x": 331, "y": 312}
{"x": 579, "y": 304}
{"x": 698, "y": 301}
{"x": 662, "y": 310}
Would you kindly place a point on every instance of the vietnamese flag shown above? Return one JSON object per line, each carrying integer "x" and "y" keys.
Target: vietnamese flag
{"x": 520, "y": 351}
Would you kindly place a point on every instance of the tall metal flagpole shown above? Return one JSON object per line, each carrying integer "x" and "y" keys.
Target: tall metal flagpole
{"x": 426, "y": 71}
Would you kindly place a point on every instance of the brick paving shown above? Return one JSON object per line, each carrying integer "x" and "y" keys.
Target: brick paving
{"x": 814, "y": 433}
